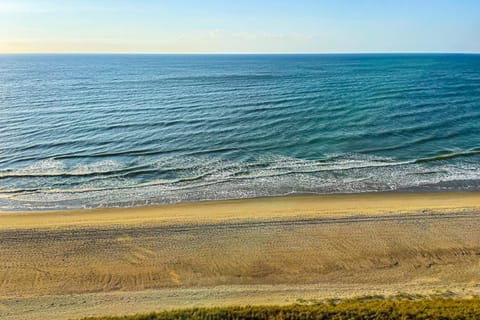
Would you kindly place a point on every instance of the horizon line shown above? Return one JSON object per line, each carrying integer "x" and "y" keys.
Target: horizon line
{"x": 240, "y": 53}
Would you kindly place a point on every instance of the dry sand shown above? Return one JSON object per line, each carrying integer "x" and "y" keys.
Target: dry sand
{"x": 63, "y": 265}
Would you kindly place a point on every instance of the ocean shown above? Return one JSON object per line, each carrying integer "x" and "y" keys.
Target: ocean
{"x": 88, "y": 131}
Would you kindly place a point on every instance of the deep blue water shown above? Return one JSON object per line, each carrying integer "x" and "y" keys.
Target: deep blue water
{"x": 122, "y": 130}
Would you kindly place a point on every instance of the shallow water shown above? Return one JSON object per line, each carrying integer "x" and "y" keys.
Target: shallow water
{"x": 121, "y": 130}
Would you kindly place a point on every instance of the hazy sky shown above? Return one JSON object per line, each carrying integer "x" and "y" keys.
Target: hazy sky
{"x": 239, "y": 26}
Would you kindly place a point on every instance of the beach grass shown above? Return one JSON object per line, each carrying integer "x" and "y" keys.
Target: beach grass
{"x": 375, "y": 308}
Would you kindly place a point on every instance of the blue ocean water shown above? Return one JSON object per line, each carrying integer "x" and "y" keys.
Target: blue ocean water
{"x": 123, "y": 130}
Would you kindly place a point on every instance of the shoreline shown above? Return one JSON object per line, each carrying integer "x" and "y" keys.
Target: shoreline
{"x": 251, "y": 209}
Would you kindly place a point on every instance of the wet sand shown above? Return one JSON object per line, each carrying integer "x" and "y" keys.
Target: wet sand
{"x": 274, "y": 208}
{"x": 70, "y": 264}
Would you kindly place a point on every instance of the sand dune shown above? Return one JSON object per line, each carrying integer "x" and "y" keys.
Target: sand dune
{"x": 252, "y": 251}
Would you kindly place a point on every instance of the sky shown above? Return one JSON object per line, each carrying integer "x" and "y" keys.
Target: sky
{"x": 239, "y": 26}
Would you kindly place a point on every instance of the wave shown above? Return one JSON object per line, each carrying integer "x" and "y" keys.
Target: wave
{"x": 55, "y": 167}
{"x": 179, "y": 179}
{"x": 471, "y": 152}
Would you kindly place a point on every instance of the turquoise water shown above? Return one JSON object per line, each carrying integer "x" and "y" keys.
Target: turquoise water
{"x": 124, "y": 130}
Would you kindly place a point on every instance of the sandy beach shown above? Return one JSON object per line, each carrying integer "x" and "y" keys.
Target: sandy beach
{"x": 71, "y": 264}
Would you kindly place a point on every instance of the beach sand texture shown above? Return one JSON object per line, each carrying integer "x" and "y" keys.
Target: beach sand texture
{"x": 61, "y": 265}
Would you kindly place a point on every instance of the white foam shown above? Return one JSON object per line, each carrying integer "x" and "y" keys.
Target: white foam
{"x": 53, "y": 167}
{"x": 204, "y": 178}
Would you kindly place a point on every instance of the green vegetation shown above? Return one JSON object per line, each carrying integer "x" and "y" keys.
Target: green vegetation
{"x": 371, "y": 308}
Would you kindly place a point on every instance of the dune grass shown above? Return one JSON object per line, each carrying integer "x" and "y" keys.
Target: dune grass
{"x": 371, "y": 308}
